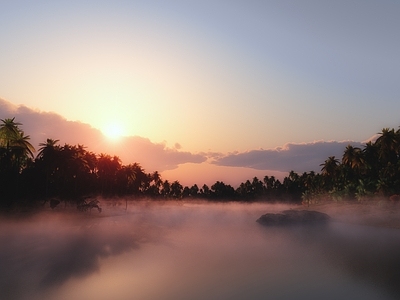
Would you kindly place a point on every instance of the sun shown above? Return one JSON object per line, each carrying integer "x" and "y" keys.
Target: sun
{"x": 113, "y": 131}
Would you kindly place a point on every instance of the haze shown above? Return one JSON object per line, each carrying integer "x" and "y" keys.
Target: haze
{"x": 181, "y": 250}
{"x": 200, "y": 91}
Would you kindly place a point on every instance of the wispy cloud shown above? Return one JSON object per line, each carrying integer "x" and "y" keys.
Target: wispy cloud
{"x": 302, "y": 157}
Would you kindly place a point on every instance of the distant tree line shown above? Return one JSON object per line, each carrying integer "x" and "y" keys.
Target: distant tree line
{"x": 70, "y": 172}
{"x": 361, "y": 173}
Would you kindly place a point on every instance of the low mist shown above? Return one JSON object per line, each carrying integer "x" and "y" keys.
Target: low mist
{"x": 195, "y": 250}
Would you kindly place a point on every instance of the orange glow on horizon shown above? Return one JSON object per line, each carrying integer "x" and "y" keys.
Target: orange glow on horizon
{"x": 207, "y": 173}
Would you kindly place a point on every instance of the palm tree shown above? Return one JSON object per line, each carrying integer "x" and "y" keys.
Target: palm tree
{"x": 353, "y": 157}
{"x": 205, "y": 191}
{"x": 166, "y": 189}
{"x": 156, "y": 182}
{"x": 352, "y": 166}
{"x": 15, "y": 153}
{"x": 22, "y": 142}
{"x": 47, "y": 150}
{"x": 107, "y": 168}
{"x": 246, "y": 190}
{"x": 330, "y": 166}
{"x": 309, "y": 180}
{"x": 222, "y": 190}
{"x": 9, "y": 131}
{"x": 330, "y": 169}
{"x": 22, "y": 150}
{"x": 126, "y": 177}
{"x": 388, "y": 144}
{"x": 47, "y": 159}
{"x": 176, "y": 189}
{"x": 15, "y": 146}
{"x": 156, "y": 178}
{"x": 142, "y": 180}
{"x": 269, "y": 184}
{"x": 194, "y": 190}
{"x": 371, "y": 155}
{"x": 258, "y": 187}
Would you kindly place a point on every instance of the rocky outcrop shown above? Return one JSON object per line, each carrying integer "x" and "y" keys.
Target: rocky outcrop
{"x": 294, "y": 217}
{"x": 54, "y": 203}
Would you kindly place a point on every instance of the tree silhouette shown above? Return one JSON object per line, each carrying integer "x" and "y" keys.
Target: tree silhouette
{"x": 9, "y": 131}
{"x": 166, "y": 189}
{"x": 47, "y": 158}
{"x": 107, "y": 168}
{"x": 125, "y": 178}
{"x": 330, "y": 170}
{"x": 330, "y": 166}
{"x": 15, "y": 148}
{"x": 388, "y": 144}
{"x": 220, "y": 190}
{"x": 205, "y": 191}
{"x": 72, "y": 173}
{"x": 353, "y": 157}
{"x": 16, "y": 152}
{"x": 155, "y": 184}
{"x": 176, "y": 190}
{"x": 194, "y": 190}
{"x": 353, "y": 165}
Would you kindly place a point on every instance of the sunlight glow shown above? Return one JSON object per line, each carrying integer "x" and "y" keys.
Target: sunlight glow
{"x": 113, "y": 131}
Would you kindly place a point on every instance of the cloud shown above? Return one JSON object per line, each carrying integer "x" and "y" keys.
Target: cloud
{"x": 43, "y": 125}
{"x": 302, "y": 157}
{"x": 155, "y": 156}
{"x": 372, "y": 138}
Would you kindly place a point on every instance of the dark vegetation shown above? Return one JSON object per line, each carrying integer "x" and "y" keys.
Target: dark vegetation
{"x": 72, "y": 173}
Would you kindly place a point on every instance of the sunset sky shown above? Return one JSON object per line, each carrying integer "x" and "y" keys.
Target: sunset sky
{"x": 203, "y": 90}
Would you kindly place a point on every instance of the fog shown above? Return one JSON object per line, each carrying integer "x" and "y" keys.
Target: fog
{"x": 194, "y": 250}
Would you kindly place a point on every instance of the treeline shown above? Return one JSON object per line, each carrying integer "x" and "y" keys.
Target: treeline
{"x": 71, "y": 172}
{"x": 361, "y": 173}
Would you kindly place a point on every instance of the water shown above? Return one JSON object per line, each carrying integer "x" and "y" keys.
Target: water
{"x": 192, "y": 251}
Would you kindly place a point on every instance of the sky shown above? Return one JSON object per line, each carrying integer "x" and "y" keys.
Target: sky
{"x": 203, "y": 89}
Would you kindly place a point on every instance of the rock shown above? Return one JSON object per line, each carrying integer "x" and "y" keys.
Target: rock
{"x": 54, "y": 203}
{"x": 294, "y": 217}
{"x": 394, "y": 198}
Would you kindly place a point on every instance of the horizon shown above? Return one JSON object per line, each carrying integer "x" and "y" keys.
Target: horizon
{"x": 203, "y": 91}
{"x": 173, "y": 163}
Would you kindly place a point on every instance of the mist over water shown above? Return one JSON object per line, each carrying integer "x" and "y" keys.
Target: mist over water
{"x": 182, "y": 250}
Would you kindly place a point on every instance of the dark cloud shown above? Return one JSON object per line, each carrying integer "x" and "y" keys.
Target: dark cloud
{"x": 43, "y": 125}
{"x": 298, "y": 157}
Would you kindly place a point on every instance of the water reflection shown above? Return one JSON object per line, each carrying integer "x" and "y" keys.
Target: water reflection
{"x": 192, "y": 251}
{"x": 365, "y": 252}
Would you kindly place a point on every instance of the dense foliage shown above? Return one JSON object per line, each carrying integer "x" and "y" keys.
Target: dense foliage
{"x": 71, "y": 172}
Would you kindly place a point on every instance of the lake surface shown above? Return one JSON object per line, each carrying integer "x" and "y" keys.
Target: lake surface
{"x": 193, "y": 251}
